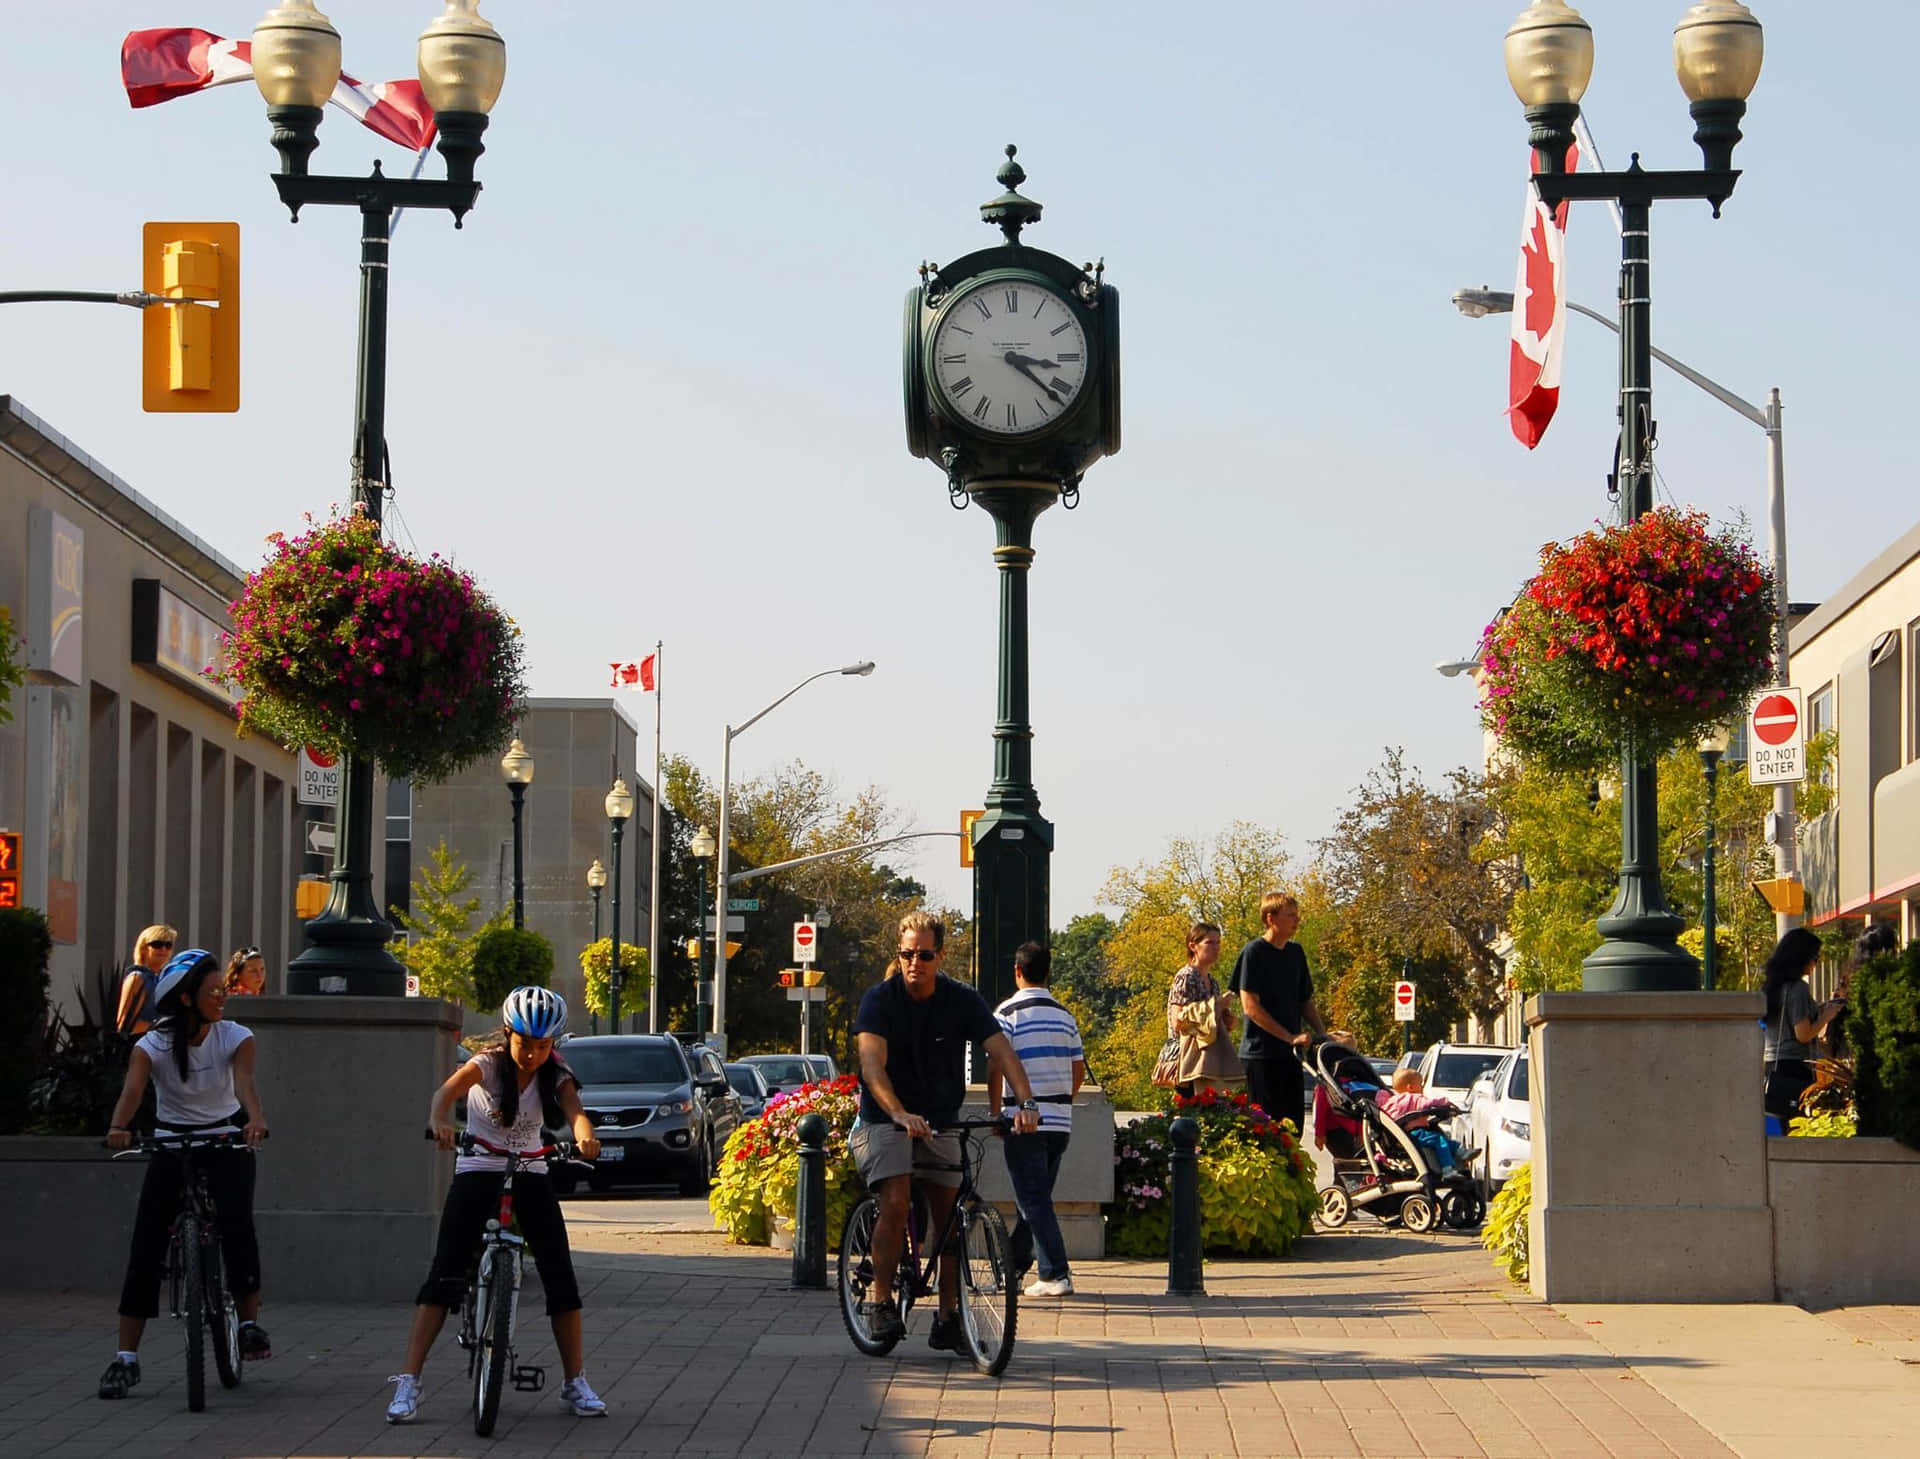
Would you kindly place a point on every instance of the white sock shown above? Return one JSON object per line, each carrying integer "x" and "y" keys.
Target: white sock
{"x": 126, "y": 1357}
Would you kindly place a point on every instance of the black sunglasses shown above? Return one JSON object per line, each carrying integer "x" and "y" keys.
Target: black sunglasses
{"x": 167, "y": 945}
{"x": 909, "y": 954}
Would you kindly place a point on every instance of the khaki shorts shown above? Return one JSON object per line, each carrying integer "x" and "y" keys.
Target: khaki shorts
{"x": 884, "y": 1151}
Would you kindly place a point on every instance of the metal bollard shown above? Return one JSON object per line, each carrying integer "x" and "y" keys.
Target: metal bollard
{"x": 810, "y": 1205}
{"x": 1184, "y": 1240}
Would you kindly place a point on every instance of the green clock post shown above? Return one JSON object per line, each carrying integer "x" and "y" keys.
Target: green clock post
{"x": 1012, "y": 384}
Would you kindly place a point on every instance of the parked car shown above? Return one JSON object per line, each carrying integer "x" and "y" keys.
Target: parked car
{"x": 823, "y": 1066}
{"x": 662, "y": 1110}
{"x": 1386, "y": 1069}
{"x": 752, "y": 1087}
{"x": 1448, "y": 1070}
{"x": 1498, "y": 1123}
{"x": 1409, "y": 1060}
{"x": 785, "y": 1071}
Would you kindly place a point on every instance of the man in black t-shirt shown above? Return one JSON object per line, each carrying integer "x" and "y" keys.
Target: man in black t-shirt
{"x": 913, "y": 1032}
{"x": 1276, "y": 994}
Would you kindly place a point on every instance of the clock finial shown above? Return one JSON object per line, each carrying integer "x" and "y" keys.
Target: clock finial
{"x": 1010, "y": 212}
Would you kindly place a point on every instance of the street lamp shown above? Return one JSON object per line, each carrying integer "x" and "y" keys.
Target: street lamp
{"x": 1713, "y": 744}
{"x": 703, "y": 848}
{"x": 1478, "y": 303}
{"x": 860, "y": 670}
{"x": 517, "y": 767}
{"x": 462, "y": 63}
{"x": 596, "y": 883}
{"x": 1454, "y": 668}
{"x": 1549, "y": 52}
{"x": 619, "y": 809}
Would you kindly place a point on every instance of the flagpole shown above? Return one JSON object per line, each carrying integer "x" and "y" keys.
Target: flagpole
{"x": 653, "y": 933}
{"x": 418, "y": 163}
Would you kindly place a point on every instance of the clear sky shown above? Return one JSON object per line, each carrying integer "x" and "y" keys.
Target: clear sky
{"x": 651, "y": 391}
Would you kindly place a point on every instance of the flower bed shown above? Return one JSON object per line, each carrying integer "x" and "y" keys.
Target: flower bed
{"x": 344, "y": 642}
{"x": 760, "y": 1171}
{"x": 1641, "y": 635}
{"x": 1256, "y": 1187}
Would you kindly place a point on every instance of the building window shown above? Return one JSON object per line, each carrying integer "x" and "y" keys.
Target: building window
{"x": 400, "y": 809}
{"x": 1819, "y": 721}
{"x": 399, "y": 884}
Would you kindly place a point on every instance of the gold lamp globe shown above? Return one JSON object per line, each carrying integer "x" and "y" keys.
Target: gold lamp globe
{"x": 462, "y": 61}
{"x": 517, "y": 765}
{"x": 1714, "y": 741}
{"x": 596, "y": 875}
{"x": 1549, "y": 52}
{"x": 296, "y": 55}
{"x": 704, "y": 846}
{"x": 1717, "y": 49}
{"x": 619, "y": 801}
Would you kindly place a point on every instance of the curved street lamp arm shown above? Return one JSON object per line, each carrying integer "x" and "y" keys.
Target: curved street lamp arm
{"x": 753, "y": 871}
{"x": 734, "y": 732}
{"x": 1686, "y": 372}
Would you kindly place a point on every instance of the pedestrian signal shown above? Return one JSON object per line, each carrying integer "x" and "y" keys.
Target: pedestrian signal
{"x": 786, "y": 977}
{"x": 190, "y": 350}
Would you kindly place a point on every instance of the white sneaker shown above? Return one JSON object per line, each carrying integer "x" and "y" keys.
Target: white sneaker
{"x": 406, "y": 1398}
{"x": 1058, "y": 1287}
{"x": 578, "y": 1399}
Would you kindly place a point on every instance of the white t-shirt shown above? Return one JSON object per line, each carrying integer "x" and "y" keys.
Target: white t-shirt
{"x": 483, "y": 1120}
{"x": 207, "y": 1093}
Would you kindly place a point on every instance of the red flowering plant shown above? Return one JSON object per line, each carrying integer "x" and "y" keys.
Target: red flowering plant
{"x": 1639, "y": 636}
{"x": 759, "y": 1174}
{"x": 342, "y": 641}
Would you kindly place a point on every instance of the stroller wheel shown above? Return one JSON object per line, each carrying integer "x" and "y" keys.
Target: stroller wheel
{"x": 1463, "y": 1208}
{"x": 1335, "y": 1207}
{"x": 1418, "y": 1215}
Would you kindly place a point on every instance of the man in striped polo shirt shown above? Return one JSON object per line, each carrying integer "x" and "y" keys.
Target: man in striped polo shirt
{"x": 1047, "y": 1040}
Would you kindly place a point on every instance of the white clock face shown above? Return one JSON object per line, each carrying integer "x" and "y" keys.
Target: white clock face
{"x": 1009, "y": 357}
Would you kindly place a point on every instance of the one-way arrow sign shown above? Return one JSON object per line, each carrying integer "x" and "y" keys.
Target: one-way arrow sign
{"x": 320, "y": 838}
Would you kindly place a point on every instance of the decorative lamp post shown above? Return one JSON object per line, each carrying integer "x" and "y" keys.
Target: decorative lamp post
{"x": 1549, "y": 54}
{"x": 517, "y": 768}
{"x": 619, "y": 811}
{"x": 1012, "y": 386}
{"x": 703, "y": 849}
{"x": 857, "y": 671}
{"x": 462, "y": 63}
{"x": 596, "y": 883}
{"x": 1713, "y": 744}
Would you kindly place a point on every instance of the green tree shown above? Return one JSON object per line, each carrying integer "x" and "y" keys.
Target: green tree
{"x": 440, "y": 950}
{"x": 1083, "y": 974}
{"x": 12, "y": 675}
{"x": 596, "y": 967}
{"x": 506, "y": 957}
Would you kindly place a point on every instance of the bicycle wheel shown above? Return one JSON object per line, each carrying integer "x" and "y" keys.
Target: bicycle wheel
{"x": 495, "y": 1334}
{"x": 193, "y": 1302}
{"x": 989, "y": 1292}
{"x": 223, "y": 1319}
{"x": 856, "y": 1277}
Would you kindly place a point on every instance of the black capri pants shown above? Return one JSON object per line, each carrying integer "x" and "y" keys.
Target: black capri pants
{"x": 472, "y": 1201}
{"x": 230, "y": 1176}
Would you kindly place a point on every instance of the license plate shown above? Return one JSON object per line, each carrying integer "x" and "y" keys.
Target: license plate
{"x": 612, "y": 1152}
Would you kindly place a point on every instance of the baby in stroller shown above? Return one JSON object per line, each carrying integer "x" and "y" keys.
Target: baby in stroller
{"x": 1420, "y": 1116}
{"x": 1379, "y": 1163}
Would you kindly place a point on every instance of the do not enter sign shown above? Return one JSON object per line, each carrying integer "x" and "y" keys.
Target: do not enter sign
{"x": 806, "y": 937}
{"x": 1776, "y": 737}
{"x": 1403, "y": 1002}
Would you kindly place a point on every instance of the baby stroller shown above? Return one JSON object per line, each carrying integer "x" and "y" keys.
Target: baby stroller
{"x": 1383, "y": 1169}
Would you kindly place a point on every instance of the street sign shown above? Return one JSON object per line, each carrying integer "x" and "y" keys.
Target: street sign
{"x": 743, "y": 904}
{"x": 1403, "y": 1002}
{"x": 319, "y": 777}
{"x": 806, "y": 995}
{"x": 806, "y": 938}
{"x": 1777, "y": 737}
{"x": 734, "y": 924}
{"x": 413, "y": 985}
{"x": 320, "y": 838}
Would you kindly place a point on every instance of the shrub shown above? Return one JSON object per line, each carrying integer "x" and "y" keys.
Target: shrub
{"x": 506, "y": 957}
{"x": 12, "y": 674}
{"x": 1883, "y": 1028}
{"x": 82, "y": 1065}
{"x": 1256, "y": 1189}
{"x": 596, "y": 964}
{"x": 1505, "y": 1231}
{"x": 26, "y": 947}
{"x": 760, "y": 1170}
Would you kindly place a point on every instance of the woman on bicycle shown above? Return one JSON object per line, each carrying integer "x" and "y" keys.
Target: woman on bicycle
{"x": 202, "y": 1072}
{"x": 507, "y": 1088}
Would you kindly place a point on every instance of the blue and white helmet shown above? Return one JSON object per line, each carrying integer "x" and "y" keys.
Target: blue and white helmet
{"x": 178, "y": 967}
{"x": 535, "y": 1013}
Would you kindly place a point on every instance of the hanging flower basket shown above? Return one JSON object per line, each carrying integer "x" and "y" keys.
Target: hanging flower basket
{"x": 1638, "y": 636}
{"x": 346, "y": 643}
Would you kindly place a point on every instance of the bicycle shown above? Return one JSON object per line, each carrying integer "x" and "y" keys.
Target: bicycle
{"x": 493, "y": 1291}
{"x": 196, "y": 1266}
{"x": 989, "y": 1289}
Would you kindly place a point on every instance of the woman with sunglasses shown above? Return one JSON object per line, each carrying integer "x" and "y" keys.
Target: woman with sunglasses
{"x": 246, "y": 973}
{"x": 150, "y": 953}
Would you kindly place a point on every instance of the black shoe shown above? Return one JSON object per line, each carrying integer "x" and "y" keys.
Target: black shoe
{"x": 118, "y": 1378}
{"x": 945, "y": 1336}
{"x": 883, "y": 1321}
{"x": 255, "y": 1346}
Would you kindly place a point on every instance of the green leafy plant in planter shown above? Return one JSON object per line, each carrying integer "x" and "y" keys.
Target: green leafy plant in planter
{"x": 26, "y": 947}
{"x": 1505, "y": 1231}
{"x": 77, "y": 1077}
{"x": 759, "y": 1177}
{"x": 1256, "y": 1189}
{"x": 596, "y": 964}
{"x": 1883, "y": 1029}
{"x": 506, "y": 957}
{"x": 342, "y": 641}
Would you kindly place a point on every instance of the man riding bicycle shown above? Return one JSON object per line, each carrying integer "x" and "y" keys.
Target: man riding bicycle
{"x": 913, "y": 1032}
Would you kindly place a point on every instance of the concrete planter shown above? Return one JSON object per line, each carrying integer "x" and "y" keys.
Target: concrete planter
{"x": 65, "y": 1201}
{"x": 1846, "y": 1221}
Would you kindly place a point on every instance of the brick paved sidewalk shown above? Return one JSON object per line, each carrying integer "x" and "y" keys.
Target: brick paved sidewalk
{"x": 1369, "y": 1343}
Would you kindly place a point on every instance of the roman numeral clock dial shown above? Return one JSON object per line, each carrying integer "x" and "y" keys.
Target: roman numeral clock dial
{"x": 1009, "y": 359}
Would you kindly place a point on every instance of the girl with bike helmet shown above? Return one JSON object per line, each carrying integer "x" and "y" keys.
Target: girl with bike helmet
{"x": 508, "y": 1087}
{"x": 202, "y": 1072}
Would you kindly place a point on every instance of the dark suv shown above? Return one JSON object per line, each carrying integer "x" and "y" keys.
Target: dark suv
{"x": 662, "y": 1111}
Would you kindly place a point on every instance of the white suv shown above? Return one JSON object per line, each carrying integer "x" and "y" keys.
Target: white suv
{"x": 1448, "y": 1070}
{"x": 1499, "y": 1123}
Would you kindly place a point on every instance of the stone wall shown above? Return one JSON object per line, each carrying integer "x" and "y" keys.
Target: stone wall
{"x": 1846, "y": 1221}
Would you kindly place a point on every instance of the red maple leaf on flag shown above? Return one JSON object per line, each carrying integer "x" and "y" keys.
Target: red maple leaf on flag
{"x": 1539, "y": 304}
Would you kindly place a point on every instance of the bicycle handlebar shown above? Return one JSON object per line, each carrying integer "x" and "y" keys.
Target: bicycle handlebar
{"x": 153, "y": 1144}
{"x": 467, "y": 1142}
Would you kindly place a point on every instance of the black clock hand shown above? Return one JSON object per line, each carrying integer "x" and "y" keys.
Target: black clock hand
{"x": 1023, "y": 365}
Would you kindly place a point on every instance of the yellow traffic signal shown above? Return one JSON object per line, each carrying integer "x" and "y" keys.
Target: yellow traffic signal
{"x": 693, "y": 949}
{"x": 190, "y": 352}
{"x": 967, "y": 818}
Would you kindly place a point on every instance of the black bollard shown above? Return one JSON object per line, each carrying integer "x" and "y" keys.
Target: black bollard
{"x": 810, "y": 1205}
{"x": 1184, "y": 1240}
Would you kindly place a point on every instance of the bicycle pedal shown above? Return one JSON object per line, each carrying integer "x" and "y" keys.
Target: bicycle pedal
{"x": 529, "y": 1377}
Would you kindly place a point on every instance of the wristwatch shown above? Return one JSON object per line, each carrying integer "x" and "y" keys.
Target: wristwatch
{"x": 1032, "y": 1104}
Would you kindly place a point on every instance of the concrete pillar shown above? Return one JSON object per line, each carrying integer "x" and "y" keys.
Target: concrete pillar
{"x": 1649, "y": 1148}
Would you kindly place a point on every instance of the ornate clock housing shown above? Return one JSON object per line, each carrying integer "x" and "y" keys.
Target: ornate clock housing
{"x": 1008, "y": 355}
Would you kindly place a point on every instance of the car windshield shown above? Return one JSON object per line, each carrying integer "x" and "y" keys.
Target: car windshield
{"x": 1458, "y": 1071}
{"x": 613, "y": 1064}
{"x": 821, "y": 1065}
{"x": 743, "y": 1082}
{"x": 1517, "y": 1085}
{"x": 785, "y": 1072}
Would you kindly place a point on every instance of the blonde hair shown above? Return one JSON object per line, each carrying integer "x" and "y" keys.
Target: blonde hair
{"x": 1408, "y": 1081}
{"x": 893, "y": 969}
{"x": 925, "y": 922}
{"x": 1278, "y": 902}
{"x": 159, "y": 932}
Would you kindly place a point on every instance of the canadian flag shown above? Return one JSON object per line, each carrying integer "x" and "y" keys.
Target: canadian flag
{"x": 1539, "y": 316}
{"x": 158, "y": 65}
